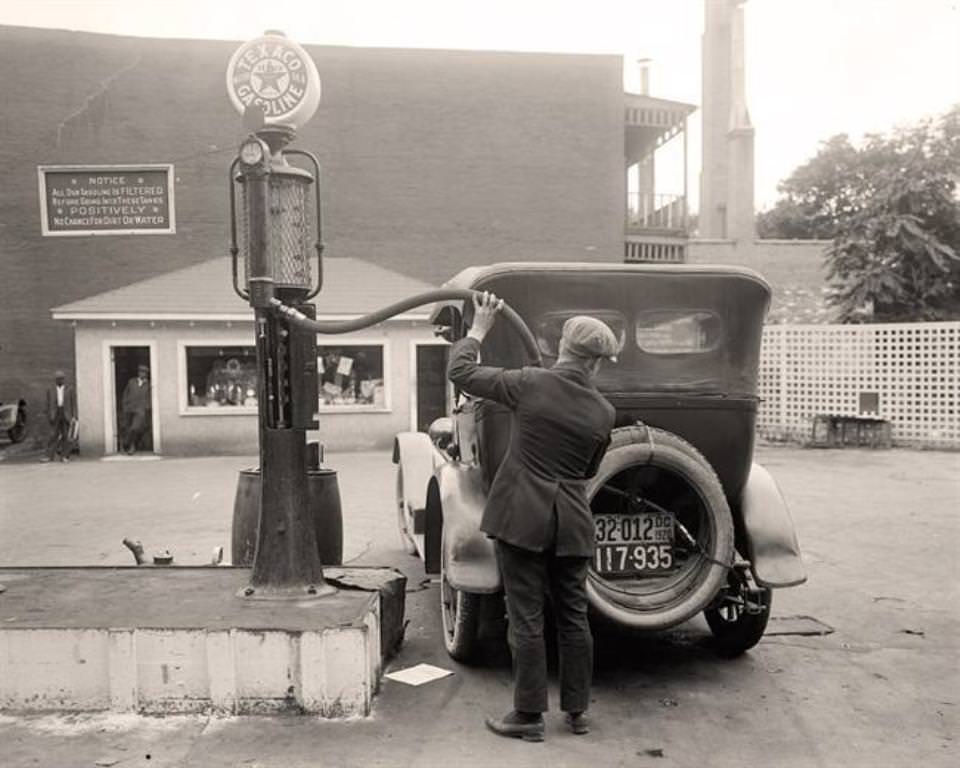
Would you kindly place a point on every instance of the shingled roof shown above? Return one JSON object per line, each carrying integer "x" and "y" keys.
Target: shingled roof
{"x": 204, "y": 291}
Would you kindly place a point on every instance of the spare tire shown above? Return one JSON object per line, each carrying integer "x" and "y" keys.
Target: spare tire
{"x": 650, "y": 472}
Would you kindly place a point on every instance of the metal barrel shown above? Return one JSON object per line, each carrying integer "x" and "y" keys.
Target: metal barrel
{"x": 324, "y": 499}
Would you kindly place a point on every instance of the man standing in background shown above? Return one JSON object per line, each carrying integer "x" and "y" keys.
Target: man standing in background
{"x": 61, "y": 411}
{"x": 135, "y": 408}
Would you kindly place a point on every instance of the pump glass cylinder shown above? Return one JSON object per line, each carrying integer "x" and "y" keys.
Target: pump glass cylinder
{"x": 288, "y": 232}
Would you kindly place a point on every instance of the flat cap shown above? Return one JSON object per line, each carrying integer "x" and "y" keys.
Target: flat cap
{"x": 59, "y": 375}
{"x": 585, "y": 336}
{"x": 143, "y": 367}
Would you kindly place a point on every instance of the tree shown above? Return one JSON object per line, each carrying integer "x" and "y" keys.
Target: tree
{"x": 892, "y": 211}
{"x": 816, "y": 195}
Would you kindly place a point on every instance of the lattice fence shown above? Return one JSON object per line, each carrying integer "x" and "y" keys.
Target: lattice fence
{"x": 907, "y": 373}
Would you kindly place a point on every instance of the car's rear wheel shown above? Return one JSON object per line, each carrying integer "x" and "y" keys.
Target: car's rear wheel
{"x": 650, "y": 472}
{"x": 739, "y": 623}
{"x": 403, "y": 516}
{"x": 460, "y": 614}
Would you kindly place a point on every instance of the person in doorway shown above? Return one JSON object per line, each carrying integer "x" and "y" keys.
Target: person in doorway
{"x": 135, "y": 408}
{"x": 537, "y": 508}
{"x": 61, "y": 412}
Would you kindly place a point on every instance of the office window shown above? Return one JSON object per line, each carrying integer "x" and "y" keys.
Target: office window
{"x": 351, "y": 375}
{"x": 221, "y": 377}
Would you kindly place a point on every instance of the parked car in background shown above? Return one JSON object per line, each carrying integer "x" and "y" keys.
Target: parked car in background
{"x": 13, "y": 420}
{"x": 685, "y": 521}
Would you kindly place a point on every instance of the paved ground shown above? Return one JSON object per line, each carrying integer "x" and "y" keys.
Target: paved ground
{"x": 880, "y": 532}
{"x": 78, "y": 513}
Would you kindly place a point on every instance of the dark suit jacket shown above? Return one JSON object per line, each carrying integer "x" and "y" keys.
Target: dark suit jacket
{"x": 136, "y": 397}
{"x": 69, "y": 403}
{"x": 561, "y": 429}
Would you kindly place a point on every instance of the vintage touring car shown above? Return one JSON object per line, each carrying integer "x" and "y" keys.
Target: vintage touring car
{"x": 685, "y": 520}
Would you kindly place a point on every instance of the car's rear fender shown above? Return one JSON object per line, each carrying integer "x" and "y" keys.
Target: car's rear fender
{"x": 416, "y": 457}
{"x": 770, "y": 535}
{"x": 455, "y": 500}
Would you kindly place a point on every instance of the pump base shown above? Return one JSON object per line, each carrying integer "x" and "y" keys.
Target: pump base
{"x": 177, "y": 639}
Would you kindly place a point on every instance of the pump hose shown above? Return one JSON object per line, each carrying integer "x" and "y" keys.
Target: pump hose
{"x": 441, "y": 294}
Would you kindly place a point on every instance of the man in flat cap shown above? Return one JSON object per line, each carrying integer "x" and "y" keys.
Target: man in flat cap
{"x": 537, "y": 508}
{"x": 61, "y": 411}
{"x": 135, "y": 408}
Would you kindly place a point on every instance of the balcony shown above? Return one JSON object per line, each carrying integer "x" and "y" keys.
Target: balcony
{"x": 650, "y": 123}
{"x": 649, "y": 213}
{"x": 655, "y": 229}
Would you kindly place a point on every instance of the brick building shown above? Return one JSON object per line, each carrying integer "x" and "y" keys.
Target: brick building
{"x": 432, "y": 160}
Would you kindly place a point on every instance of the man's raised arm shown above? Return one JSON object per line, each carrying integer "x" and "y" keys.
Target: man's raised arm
{"x": 499, "y": 384}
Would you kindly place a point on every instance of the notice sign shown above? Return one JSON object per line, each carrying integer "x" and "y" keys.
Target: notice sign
{"x": 106, "y": 200}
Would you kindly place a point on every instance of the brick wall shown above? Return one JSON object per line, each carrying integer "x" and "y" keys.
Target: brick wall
{"x": 794, "y": 269}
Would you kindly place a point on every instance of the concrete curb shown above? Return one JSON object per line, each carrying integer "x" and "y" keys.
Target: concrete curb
{"x": 324, "y": 658}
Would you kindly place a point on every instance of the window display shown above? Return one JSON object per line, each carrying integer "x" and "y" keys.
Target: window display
{"x": 221, "y": 377}
{"x": 351, "y": 375}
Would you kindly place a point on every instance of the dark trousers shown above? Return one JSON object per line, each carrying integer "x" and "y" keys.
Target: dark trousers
{"x": 60, "y": 438}
{"x": 135, "y": 424}
{"x": 527, "y": 579}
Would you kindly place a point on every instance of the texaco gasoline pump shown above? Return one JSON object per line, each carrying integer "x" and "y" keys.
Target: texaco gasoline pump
{"x": 274, "y": 84}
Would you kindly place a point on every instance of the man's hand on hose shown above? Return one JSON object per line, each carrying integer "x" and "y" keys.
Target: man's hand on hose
{"x": 485, "y": 309}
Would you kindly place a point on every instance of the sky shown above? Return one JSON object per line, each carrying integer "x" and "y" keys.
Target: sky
{"x": 815, "y": 68}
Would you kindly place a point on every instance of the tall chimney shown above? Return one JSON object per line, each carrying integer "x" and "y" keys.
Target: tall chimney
{"x": 643, "y": 68}
{"x": 726, "y": 180}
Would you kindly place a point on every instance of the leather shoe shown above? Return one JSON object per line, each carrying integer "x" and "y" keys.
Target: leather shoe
{"x": 517, "y": 726}
{"x": 577, "y": 722}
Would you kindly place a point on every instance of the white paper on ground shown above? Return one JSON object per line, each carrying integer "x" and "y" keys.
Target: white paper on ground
{"x": 418, "y": 675}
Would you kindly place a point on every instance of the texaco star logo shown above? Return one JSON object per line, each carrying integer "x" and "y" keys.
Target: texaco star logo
{"x": 270, "y": 78}
{"x": 271, "y": 74}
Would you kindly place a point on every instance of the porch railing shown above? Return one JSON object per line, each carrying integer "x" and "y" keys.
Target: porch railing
{"x": 649, "y": 210}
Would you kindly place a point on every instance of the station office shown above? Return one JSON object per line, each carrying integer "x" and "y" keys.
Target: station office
{"x": 197, "y": 337}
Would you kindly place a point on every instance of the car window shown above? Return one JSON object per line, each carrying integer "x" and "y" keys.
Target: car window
{"x": 677, "y": 331}
{"x": 549, "y": 327}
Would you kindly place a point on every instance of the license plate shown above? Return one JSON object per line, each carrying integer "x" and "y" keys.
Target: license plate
{"x": 633, "y": 544}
